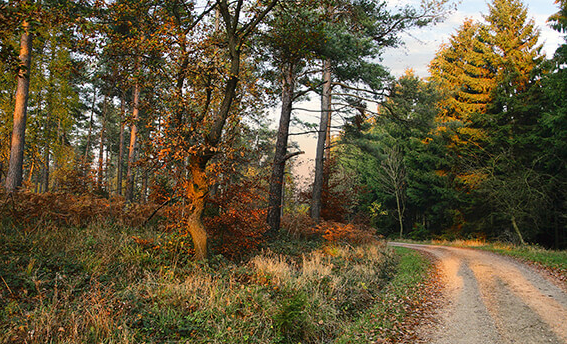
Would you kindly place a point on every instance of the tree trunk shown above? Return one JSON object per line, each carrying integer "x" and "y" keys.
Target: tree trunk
{"x": 121, "y": 147}
{"x": 89, "y": 133}
{"x": 324, "y": 131}
{"x": 278, "y": 168}
{"x": 400, "y": 214}
{"x": 31, "y": 171}
{"x": 100, "y": 174}
{"x": 44, "y": 181}
{"x": 45, "y": 174}
{"x": 15, "y": 167}
{"x": 144, "y": 193}
{"x": 197, "y": 192}
{"x": 133, "y": 137}
{"x": 517, "y": 230}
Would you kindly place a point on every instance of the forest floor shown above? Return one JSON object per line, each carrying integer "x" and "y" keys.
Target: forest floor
{"x": 494, "y": 299}
{"x": 109, "y": 283}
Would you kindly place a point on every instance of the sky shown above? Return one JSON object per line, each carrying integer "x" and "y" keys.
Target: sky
{"x": 419, "y": 49}
{"x": 422, "y": 44}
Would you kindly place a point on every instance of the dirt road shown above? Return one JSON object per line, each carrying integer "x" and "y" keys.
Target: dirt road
{"x": 493, "y": 299}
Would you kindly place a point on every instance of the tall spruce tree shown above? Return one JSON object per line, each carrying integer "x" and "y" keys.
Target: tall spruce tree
{"x": 491, "y": 71}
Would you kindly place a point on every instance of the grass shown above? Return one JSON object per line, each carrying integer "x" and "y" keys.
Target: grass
{"x": 404, "y": 297}
{"x": 548, "y": 258}
{"x": 552, "y": 259}
{"x": 107, "y": 283}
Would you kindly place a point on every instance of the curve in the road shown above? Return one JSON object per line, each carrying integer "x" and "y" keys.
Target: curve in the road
{"x": 495, "y": 300}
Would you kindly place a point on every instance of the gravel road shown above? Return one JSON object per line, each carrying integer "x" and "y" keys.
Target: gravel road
{"x": 494, "y": 299}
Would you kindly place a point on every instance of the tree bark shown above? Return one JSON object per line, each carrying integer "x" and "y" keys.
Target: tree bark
{"x": 100, "y": 174}
{"x": 133, "y": 137}
{"x": 144, "y": 193}
{"x": 89, "y": 133}
{"x": 517, "y": 230}
{"x": 400, "y": 213}
{"x": 121, "y": 147}
{"x": 15, "y": 167}
{"x": 197, "y": 192}
{"x": 198, "y": 189}
{"x": 46, "y": 158}
{"x": 44, "y": 181}
{"x": 324, "y": 131}
{"x": 278, "y": 167}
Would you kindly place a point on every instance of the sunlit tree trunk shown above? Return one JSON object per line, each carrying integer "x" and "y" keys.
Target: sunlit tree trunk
{"x": 198, "y": 187}
{"x": 197, "y": 191}
{"x": 15, "y": 167}
{"x": 278, "y": 168}
{"x": 324, "y": 132}
{"x": 133, "y": 137}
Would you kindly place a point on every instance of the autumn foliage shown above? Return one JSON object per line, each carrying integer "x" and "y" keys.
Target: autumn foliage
{"x": 28, "y": 210}
{"x": 238, "y": 220}
{"x": 350, "y": 232}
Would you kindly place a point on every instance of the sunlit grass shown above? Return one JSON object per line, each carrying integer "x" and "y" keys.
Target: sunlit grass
{"x": 553, "y": 259}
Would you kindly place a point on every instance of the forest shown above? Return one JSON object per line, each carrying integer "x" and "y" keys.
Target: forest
{"x": 137, "y": 149}
{"x": 166, "y": 104}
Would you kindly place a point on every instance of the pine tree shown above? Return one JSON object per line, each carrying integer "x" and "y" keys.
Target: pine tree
{"x": 357, "y": 32}
{"x": 293, "y": 38}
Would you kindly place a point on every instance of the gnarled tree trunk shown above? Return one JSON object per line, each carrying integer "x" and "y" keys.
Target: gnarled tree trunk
{"x": 197, "y": 191}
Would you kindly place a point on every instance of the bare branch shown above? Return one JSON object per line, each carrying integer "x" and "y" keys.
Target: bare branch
{"x": 290, "y": 155}
{"x": 383, "y": 93}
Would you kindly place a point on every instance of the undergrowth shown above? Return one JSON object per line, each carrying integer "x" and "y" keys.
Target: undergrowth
{"x": 78, "y": 269}
{"x": 398, "y": 309}
{"x": 109, "y": 283}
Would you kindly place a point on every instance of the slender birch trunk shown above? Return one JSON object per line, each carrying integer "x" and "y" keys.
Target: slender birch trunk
{"x": 90, "y": 131}
{"x": 100, "y": 174}
{"x": 517, "y": 230}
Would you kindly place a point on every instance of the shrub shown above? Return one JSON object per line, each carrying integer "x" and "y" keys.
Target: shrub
{"x": 350, "y": 233}
{"x": 299, "y": 226}
{"x": 238, "y": 223}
